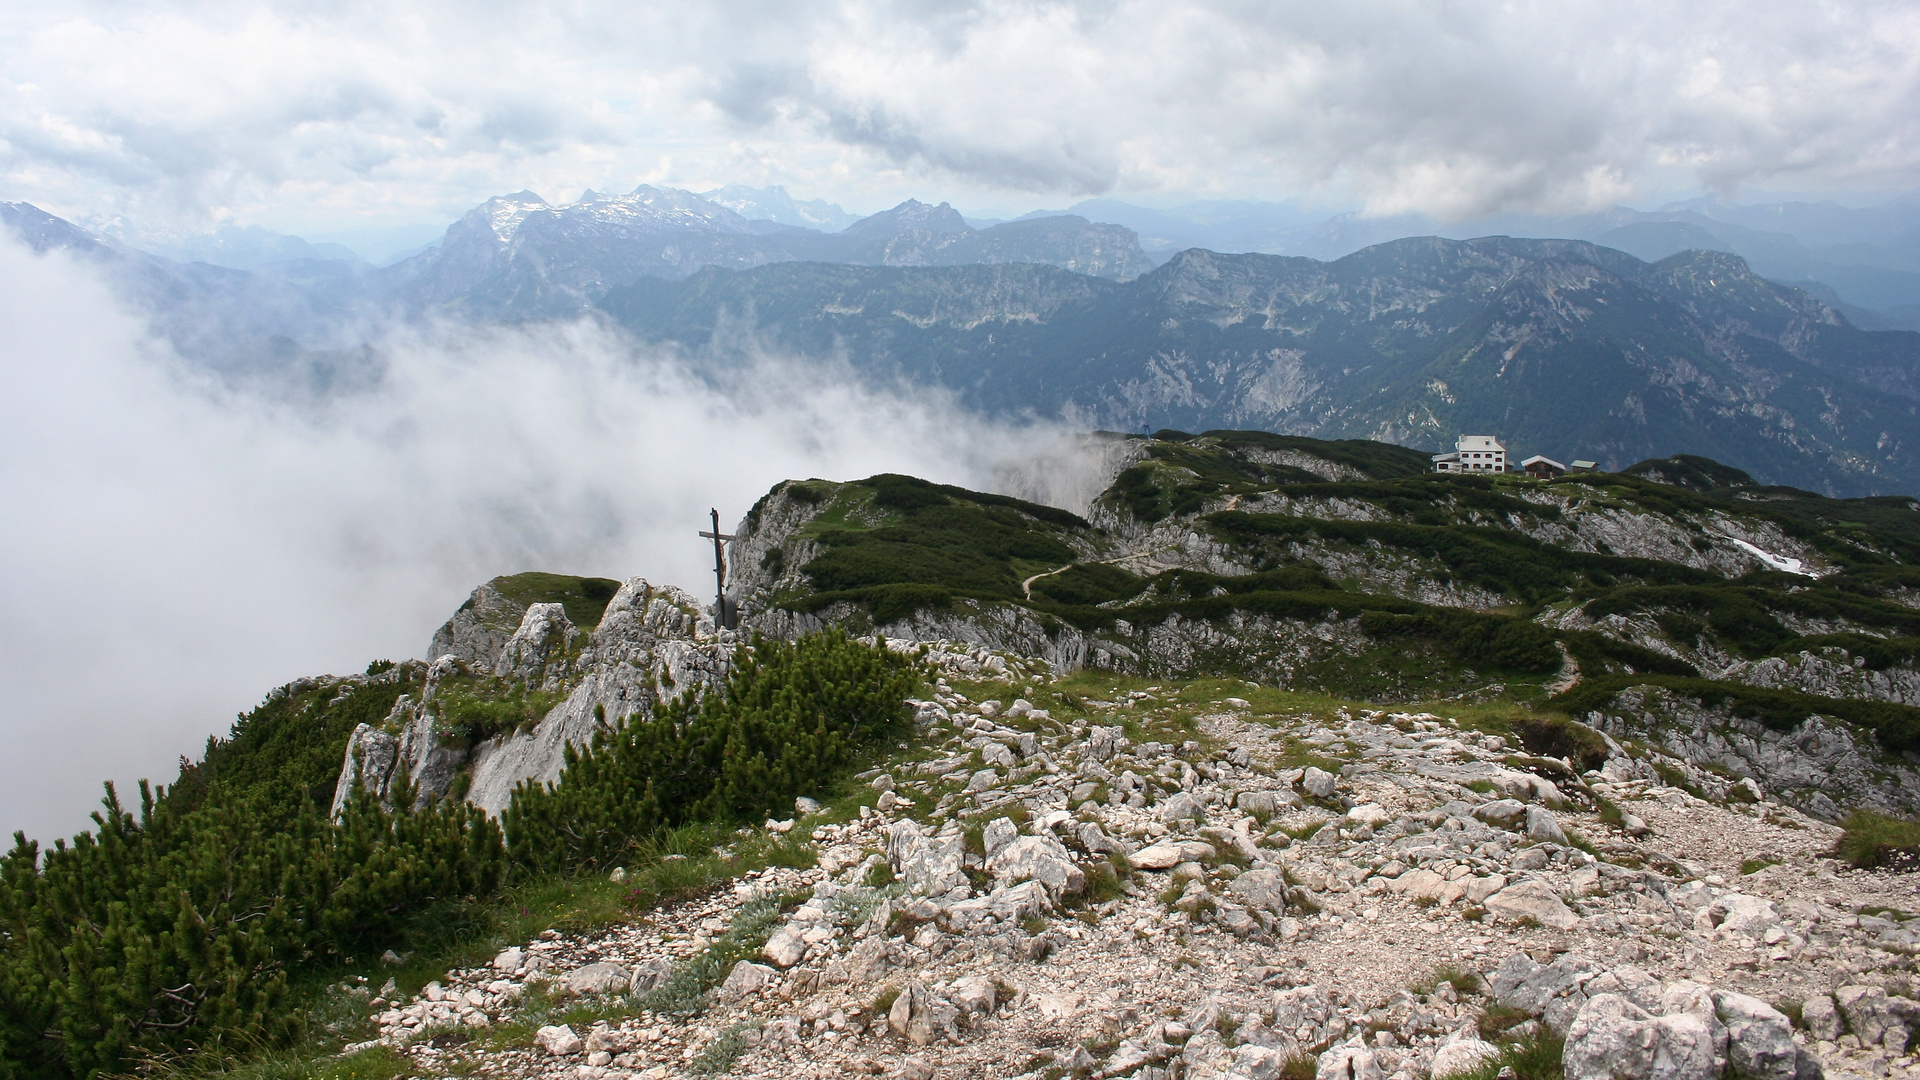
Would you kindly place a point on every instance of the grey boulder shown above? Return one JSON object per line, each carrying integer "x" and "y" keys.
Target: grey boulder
{"x": 1544, "y": 827}
{"x": 601, "y": 978}
{"x": 1317, "y": 783}
{"x": 1822, "y": 1018}
{"x": 1614, "y": 1039}
{"x": 1759, "y": 1037}
{"x": 1037, "y": 858}
{"x": 1506, "y": 813}
{"x": 1460, "y": 1055}
{"x": 1532, "y": 899}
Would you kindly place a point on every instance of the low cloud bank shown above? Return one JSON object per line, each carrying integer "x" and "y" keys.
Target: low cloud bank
{"x": 171, "y": 547}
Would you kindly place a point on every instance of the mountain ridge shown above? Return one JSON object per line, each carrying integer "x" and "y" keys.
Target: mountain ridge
{"x": 1572, "y": 349}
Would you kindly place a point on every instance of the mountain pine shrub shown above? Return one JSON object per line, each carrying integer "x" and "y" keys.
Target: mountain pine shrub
{"x": 791, "y": 717}
{"x": 176, "y": 928}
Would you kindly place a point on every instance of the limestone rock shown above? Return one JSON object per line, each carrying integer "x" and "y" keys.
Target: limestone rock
{"x": 1519, "y": 983}
{"x": 1260, "y": 804}
{"x": 1016, "y": 903}
{"x": 1350, "y": 1062}
{"x": 560, "y": 1041}
{"x": 1370, "y": 814}
{"x": 745, "y": 978}
{"x": 1168, "y": 854}
{"x": 921, "y": 1015}
{"x": 479, "y": 630}
{"x": 1866, "y": 1010}
{"x": 1255, "y": 1062}
{"x": 1505, "y": 813}
{"x": 868, "y": 961}
{"x": 1037, "y": 858}
{"x": 974, "y": 994}
{"x": 926, "y": 867}
{"x": 650, "y": 636}
{"x": 998, "y": 834}
{"x": 1461, "y": 1054}
{"x": 1740, "y": 914}
{"x": 650, "y": 975}
{"x": 1614, "y": 1039}
{"x": 1532, "y": 899}
{"x": 1262, "y": 889}
{"x": 1317, "y": 783}
{"x": 786, "y": 947}
{"x": 1544, "y": 827}
{"x": 1759, "y": 1037}
{"x": 601, "y": 978}
{"x": 1181, "y": 807}
{"x": 544, "y": 636}
{"x": 1822, "y": 1018}
{"x": 509, "y": 960}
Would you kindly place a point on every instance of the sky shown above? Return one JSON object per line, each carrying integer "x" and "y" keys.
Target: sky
{"x": 328, "y": 116}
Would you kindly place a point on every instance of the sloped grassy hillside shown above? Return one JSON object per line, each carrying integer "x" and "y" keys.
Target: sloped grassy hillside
{"x": 1343, "y": 567}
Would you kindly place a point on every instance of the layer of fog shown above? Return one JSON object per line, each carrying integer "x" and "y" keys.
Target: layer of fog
{"x": 171, "y": 548}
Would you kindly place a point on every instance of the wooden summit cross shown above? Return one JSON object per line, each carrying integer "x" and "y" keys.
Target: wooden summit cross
{"x": 724, "y": 614}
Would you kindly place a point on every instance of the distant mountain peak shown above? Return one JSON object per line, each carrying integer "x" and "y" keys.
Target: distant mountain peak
{"x": 912, "y": 216}
{"x": 775, "y": 205}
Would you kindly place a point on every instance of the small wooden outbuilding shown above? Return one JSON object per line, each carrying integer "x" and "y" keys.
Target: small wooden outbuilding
{"x": 1542, "y": 467}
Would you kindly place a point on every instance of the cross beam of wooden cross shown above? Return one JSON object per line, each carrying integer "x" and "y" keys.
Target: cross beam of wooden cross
{"x": 723, "y": 615}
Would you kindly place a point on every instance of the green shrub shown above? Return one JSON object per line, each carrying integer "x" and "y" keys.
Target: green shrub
{"x": 178, "y": 927}
{"x": 203, "y": 923}
{"x": 791, "y": 717}
{"x": 1895, "y": 727}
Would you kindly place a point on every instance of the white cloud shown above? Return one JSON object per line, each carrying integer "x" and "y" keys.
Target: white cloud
{"x": 332, "y": 113}
{"x": 171, "y": 549}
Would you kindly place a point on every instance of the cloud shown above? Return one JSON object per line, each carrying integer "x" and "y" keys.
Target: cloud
{"x": 347, "y": 110}
{"x": 171, "y": 548}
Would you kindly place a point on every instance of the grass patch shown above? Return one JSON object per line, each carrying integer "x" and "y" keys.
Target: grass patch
{"x": 1301, "y": 832}
{"x": 717, "y": 1057}
{"x": 1754, "y": 866}
{"x": 1462, "y": 980}
{"x": 1877, "y": 840}
{"x": 584, "y": 598}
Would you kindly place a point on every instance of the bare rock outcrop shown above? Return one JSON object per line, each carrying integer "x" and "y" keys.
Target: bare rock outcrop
{"x": 477, "y": 633}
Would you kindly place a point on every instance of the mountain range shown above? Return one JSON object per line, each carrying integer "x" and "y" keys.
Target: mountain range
{"x": 1569, "y": 348}
{"x": 1863, "y": 260}
{"x": 1566, "y": 348}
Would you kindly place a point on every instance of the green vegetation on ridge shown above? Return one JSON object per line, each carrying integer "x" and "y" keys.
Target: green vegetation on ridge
{"x": 1440, "y": 584}
{"x": 208, "y": 920}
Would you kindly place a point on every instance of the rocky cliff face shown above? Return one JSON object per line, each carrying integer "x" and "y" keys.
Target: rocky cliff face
{"x": 652, "y": 643}
{"x": 479, "y": 630}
